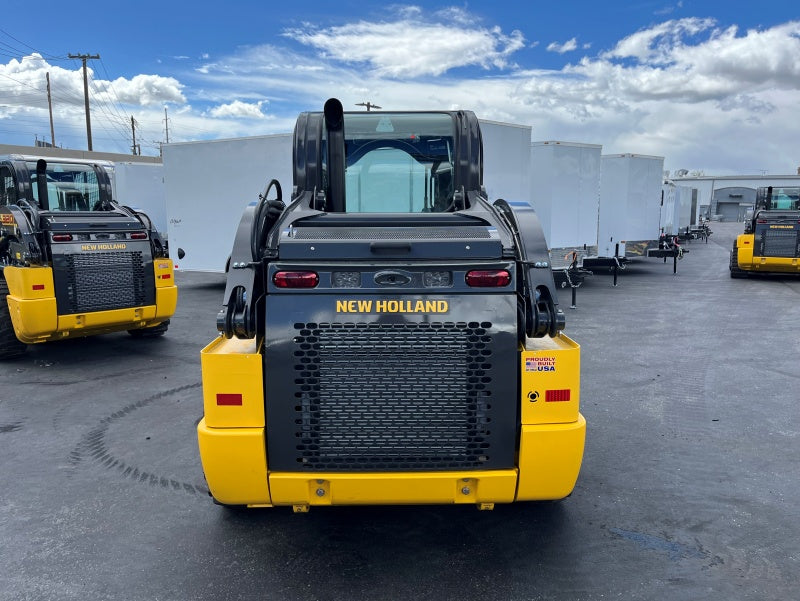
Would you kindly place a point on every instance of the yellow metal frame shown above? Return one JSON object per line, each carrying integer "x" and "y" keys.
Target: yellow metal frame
{"x": 745, "y": 244}
{"x": 232, "y": 441}
{"x": 34, "y": 313}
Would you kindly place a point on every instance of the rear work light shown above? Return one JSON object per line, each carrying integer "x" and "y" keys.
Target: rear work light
{"x": 295, "y": 279}
{"x": 488, "y": 278}
{"x": 62, "y": 237}
{"x": 138, "y": 235}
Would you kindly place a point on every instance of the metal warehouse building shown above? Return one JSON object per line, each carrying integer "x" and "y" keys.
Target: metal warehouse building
{"x": 730, "y": 196}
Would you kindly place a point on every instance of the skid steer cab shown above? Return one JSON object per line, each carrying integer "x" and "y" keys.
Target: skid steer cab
{"x": 73, "y": 261}
{"x": 771, "y": 239}
{"x": 391, "y": 336}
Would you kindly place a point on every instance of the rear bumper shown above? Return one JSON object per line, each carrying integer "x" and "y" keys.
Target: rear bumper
{"x": 770, "y": 265}
{"x": 34, "y": 313}
{"x": 236, "y": 469}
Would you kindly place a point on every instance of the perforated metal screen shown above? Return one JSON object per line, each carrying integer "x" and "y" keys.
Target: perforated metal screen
{"x": 779, "y": 243}
{"x": 102, "y": 281}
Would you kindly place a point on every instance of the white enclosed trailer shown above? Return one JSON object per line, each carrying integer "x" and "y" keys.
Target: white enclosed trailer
{"x": 676, "y": 209}
{"x": 209, "y": 184}
{"x": 141, "y": 187}
{"x": 565, "y": 192}
{"x": 630, "y": 204}
{"x": 506, "y": 160}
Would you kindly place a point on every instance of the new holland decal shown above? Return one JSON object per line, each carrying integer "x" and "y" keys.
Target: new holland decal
{"x": 392, "y": 306}
{"x": 104, "y": 246}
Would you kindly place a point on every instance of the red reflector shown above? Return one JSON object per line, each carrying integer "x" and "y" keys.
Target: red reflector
{"x": 62, "y": 237}
{"x": 166, "y": 276}
{"x": 761, "y": 221}
{"x": 295, "y": 279}
{"x": 38, "y": 286}
{"x": 138, "y": 235}
{"x": 556, "y": 396}
{"x": 492, "y": 278}
{"x": 228, "y": 399}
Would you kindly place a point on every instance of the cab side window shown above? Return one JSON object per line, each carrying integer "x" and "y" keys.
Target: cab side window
{"x": 8, "y": 190}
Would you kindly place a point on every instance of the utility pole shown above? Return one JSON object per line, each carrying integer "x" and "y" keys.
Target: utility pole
{"x": 369, "y": 105}
{"x": 166, "y": 123}
{"x": 50, "y": 107}
{"x": 84, "y": 58}
{"x": 134, "y": 148}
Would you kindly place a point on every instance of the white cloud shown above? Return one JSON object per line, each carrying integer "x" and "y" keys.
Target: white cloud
{"x": 141, "y": 90}
{"x": 394, "y": 49}
{"x": 567, "y": 46}
{"x": 239, "y": 109}
{"x": 655, "y": 44}
{"x": 668, "y": 9}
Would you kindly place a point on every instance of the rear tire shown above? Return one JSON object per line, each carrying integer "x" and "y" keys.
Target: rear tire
{"x": 10, "y": 346}
{"x": 736, "y": 272}
{"x": 151, "y": 332}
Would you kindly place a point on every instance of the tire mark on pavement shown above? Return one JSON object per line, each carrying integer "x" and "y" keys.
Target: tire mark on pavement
{"x": 93, "y": 446}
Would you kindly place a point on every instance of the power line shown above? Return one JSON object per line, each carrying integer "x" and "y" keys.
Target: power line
{"x": 46, "y": 55}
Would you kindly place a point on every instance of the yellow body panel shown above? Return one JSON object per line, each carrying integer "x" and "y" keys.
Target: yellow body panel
{"x": 749, "y": 262}
{"x": 235, "y": 464}
{"x": 550, "y": 364}
{"x": 233, "y": 366}
{"x": 34, "y": 312}
{"x": 22, "y": 280}
{"x": 744, "y": 249}
{"x": 550, "y": 458}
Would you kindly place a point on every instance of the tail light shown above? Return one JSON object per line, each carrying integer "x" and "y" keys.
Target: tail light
{"x": 488, "y": 278}
{"x": 138, "y": 235}
{"x": 62, "y": 237}
{"x": 295, "y": 279}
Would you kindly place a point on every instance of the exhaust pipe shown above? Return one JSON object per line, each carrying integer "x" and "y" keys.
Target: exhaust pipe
{"x": 334, "y": 129}
{"x": 41, "y": 184}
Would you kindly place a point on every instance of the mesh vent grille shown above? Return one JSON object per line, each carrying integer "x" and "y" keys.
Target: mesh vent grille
{"x": 409, "y": 396}
{"x": 104, "y": 281}
{"x": 779, "y": 243}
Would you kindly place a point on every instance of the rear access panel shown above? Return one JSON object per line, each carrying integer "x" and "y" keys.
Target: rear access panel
{"x": 408, "y": 383}
{"x": 103, "y": 276}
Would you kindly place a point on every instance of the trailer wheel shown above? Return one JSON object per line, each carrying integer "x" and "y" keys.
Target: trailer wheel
{"x": 10, "y": 346}
{"x": 736, "y": 272}
{"x": 151, "y": 332}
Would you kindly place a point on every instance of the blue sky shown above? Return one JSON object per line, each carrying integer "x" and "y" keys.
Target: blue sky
{"x": 709, "y": 87}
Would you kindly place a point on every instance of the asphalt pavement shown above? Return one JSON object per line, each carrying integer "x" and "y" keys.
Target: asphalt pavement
{"x": 688, "y": 489}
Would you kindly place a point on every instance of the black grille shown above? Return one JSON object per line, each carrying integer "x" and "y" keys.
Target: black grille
{"x": 400, "y": 233}
{"x": 393, "y": 396}
{"x": 779, "y": 243}
{"x": 104, "y": 281}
